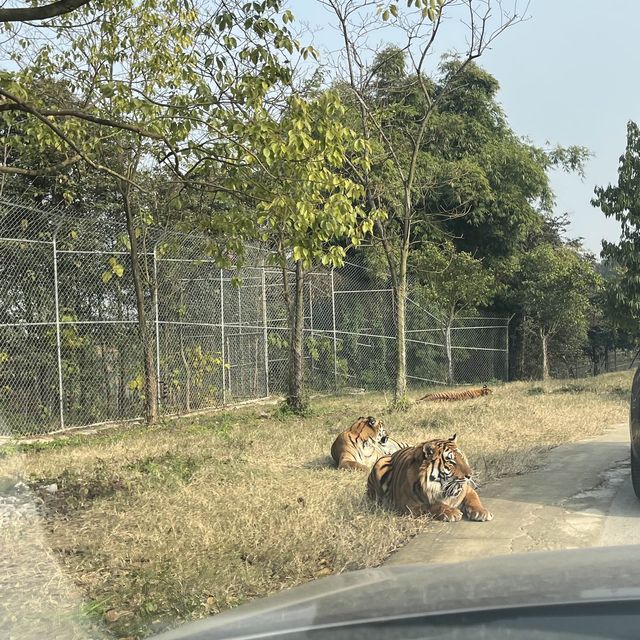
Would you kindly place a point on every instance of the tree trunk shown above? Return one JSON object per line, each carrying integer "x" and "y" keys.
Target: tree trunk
{"x": 295, "y": 398}
{"x": 400, "y": 299}
{"x": 545, "y": 355}
{"x": 523, "y": 347}
{"x": 447, "y": 339}
{"x": 122, "y": 377}
{"x": 145, "y": 334}
{"x": 187, "y": 374}
{"x": 185, "y": 362}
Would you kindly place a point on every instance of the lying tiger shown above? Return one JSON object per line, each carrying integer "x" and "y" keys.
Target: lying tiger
{"x": 432, "y": 478}
{"x": 362, "y": 444}
{"x": 462, "y": 394}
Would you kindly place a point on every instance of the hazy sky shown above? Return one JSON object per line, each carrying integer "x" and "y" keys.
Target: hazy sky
{"x": 568, "y": 75}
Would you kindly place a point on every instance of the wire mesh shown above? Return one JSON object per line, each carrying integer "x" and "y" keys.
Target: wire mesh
{"x": 71, "y": 340}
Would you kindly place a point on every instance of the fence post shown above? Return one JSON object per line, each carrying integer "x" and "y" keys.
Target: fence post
{"x": 265, "y": 336}
{"x": 240, "y": 342}
{"x": 224, "y": 391}
{"x": 157, "y": 323}
{"x": 311, "y": 321}
{"x": 335, "y": 342}
{"x": 507, "y": 346}
{"x": 58, "y": 341}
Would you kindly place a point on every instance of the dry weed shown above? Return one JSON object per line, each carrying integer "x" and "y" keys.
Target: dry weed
{"x": 199, "y": 515}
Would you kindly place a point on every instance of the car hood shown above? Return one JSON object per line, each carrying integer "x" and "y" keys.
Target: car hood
{"x": 533, "y": 579}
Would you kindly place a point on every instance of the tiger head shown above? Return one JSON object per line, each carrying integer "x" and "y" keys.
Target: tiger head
{"x": 444, "y": 469}
{"x": 370, "y": 429}
{"x": 485, "y": 391}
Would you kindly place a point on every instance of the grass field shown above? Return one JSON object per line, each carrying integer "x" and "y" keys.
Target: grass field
{"x": 174, "y": 522}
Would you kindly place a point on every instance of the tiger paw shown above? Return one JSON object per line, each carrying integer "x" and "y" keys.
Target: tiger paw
{"x": 480, "y": 515}
{"x": 450, "y": 514}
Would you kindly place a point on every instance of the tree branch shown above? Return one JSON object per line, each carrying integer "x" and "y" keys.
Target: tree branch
{"x": 39, "y": 172}
{"x": 65, "y": 138}
{"x": 52, "y": 10}
{"x": 81, "y": 115}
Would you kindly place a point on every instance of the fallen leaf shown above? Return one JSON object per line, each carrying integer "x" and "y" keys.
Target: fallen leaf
{"x": 111, "y": 616}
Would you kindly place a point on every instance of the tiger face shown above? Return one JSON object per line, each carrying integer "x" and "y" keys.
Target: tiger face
{"x": 446, "y": 470}
{"x": 372, "y": 430}
{"x": 362, "y": 444}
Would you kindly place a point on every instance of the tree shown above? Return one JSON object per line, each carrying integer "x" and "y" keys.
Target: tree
{"x": 160, "y": 85}
{"x": 452, "y": 283}
{"x": 479, "y": 183}
{"x": 555, "y": 288}
{"x": 399, "y": 134}
{"x": 307, "y": 210}
{"x": 183, "y": 76}
{"x": 622, "y": 202}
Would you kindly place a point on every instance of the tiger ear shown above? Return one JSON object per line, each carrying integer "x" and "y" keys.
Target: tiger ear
{"x": 371, "y": 421}
{"x": 427, "y": 450}
{"x": 453, "y": 438}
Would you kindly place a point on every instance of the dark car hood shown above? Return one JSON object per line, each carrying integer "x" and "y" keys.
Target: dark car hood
{"x": 533, "y": 579}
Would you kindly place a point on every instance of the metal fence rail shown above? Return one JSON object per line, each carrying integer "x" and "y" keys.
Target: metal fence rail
{"x": 71, "y": 355}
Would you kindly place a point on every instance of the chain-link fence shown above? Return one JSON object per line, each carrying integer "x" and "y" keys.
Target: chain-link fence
{"x": 71, "y": 345}
{"x": 613, "y": 360}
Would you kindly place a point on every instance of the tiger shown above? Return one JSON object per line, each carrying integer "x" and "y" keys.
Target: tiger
{"x": 363, "y": 443}
{"x": 462, "y": 394}
{"x": 433, "y": 478}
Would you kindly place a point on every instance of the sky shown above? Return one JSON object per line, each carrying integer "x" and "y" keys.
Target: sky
{"x": 568, "y": 75}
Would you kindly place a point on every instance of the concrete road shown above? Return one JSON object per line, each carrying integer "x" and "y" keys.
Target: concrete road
{"x": 581, "y": 496}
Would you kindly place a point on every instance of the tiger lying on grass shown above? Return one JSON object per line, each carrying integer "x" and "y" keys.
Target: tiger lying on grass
{"x": 432, "y": 478}
{"x": 362, "y": 444}
{"x": 463, "y": 394}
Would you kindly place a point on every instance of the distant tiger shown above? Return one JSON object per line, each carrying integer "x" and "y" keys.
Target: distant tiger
{"x": 362, "y": 444}
{"x": 462, "y": 394}
{"x": 432, "y": 478}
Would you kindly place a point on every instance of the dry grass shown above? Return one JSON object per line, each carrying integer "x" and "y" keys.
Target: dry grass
{"x": 199, "y": 515}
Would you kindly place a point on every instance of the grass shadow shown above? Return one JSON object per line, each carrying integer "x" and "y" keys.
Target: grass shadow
{"x": 319, "y": 462}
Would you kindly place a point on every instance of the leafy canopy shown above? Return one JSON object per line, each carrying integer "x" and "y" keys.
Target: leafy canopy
{"x": 556, "y": 284}
{"x": 307, "y": 207}
{"x": 622, "y": 202}
{"x": 452, "y": 281}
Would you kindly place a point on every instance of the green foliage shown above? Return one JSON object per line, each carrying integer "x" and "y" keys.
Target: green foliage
{"x": 306, "y": 202}
{"x": 400, "y": 405}
{"x": 167, "y": 467}
{"x": 154, "y": 70}
{"x": 622, "y": 202}
{"x": 555, "y": 288}
{"x": 452, "y": 282}
{"x": 194, "y": 105}
{"x": 284, "y": 411}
